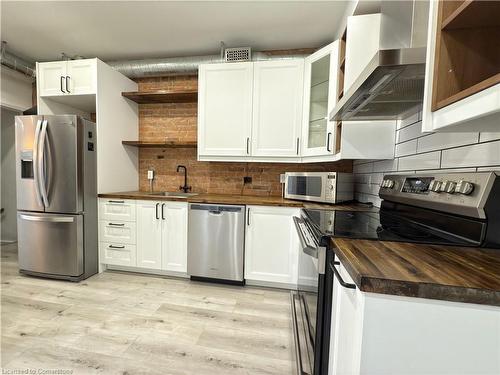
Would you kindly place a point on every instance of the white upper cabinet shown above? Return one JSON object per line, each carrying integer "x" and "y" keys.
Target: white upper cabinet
{"x": 51, "y": 78}
{"x": 81, "y": 77}
{"x": 73, "y": 77}
{"x": 278, "y": 88}
{"x": 320, "y": 88}
{"x": 462, "y": 77}
{"x": 225, "y": 109}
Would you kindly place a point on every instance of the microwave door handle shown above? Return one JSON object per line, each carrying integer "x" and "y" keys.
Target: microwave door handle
{"x": 41, "y": 164}
{"x": 36, "y": 176}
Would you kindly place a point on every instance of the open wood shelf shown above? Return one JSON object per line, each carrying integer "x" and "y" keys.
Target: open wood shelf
{"x": 467, "y": 60}
{"x": 472, "y": 14}
{"x": 162, "y": 96}
{"x": 168, "y": 144}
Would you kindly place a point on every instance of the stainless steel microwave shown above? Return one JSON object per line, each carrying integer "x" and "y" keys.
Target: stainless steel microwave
{"x": 325, "y": 187}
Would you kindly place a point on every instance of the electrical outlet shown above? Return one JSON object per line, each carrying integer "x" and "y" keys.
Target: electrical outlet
{"x": 247, "y": 180}
{"x": 150, "y": 174}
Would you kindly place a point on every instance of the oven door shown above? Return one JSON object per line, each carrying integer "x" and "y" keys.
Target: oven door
{"x": 311, "y": 305}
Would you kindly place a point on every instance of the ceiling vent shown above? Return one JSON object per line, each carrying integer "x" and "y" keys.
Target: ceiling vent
{"x": 237, "y": 54}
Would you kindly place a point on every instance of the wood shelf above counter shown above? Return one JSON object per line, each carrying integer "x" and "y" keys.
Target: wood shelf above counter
{"x": 167, "y": 144}
{"x": 162, "y": 96}
{"x": 471, "y": 14}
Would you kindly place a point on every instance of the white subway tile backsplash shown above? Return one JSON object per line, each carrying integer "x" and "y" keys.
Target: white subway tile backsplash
{"x": 440, "y": 141}
{"x": 479, "y": 155}
{"x": 385, "y": 165}
{"x": 430, "y": 160}
{"x": 489, "y": 136}
{"x": 410, "y": 132}
{"x": 363, "y": 168}
{"x": 409, "y": 120}
{"x": 406, "y": 148}
{"x": 418, "y": 152}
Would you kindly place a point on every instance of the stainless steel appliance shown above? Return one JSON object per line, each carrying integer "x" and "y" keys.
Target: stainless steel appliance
{"x": 216, "y": 242}
{"x": 56, "y": 196}
{"x": 458, "y": 209}
{"x": 392, "y": 84}
{"x": 325, "y": 187}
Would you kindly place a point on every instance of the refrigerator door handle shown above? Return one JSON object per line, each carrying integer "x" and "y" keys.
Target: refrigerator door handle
{"x": 50, "y": 219}
{"x": 41, "y": 161}
{"x": 36, "y": 170}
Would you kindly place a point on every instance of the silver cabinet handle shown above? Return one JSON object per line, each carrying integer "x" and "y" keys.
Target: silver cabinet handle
{"x": 41, "y": 161}
{"x": 248, "y": 145}
{"x": 35, "y": 163}
{"x": 116, "y": 225}
{"x": 298, "y": 142}
{"x": 61, "y": 84}
{"x": 50, "y": 219}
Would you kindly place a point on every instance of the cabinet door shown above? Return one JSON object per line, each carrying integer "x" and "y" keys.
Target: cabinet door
{"x": 149, "y": 228}
{"x": 51, "y": 78}
{"x": 174, "y": 236}
{"x": 277, "y": 108}
{"x": 225, "y": 109}
{"x": 271, "y": 247}
{"x": 81, "y": 77}
{"x": 320, "y": 87}
{"x": 347, "y": 327}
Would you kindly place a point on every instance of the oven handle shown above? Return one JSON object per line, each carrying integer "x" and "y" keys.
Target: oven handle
{"x": 318, "y": 253}
{"x": 339, "y": 278}
{"x": 295, "y": 328}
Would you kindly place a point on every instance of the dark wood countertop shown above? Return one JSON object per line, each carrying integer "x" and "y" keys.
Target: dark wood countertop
{"x": 234, "y": 199}
{"x": 459, "y": 274}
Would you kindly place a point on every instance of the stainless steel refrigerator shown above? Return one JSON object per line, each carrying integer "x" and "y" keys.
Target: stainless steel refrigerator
{"x": 56, "y": 196}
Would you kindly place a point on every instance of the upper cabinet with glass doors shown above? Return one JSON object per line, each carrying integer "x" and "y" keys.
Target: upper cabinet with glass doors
{"x": 320, "y": 82}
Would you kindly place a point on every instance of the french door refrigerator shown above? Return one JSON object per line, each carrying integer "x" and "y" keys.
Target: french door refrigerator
{"x": 56, "y": 196}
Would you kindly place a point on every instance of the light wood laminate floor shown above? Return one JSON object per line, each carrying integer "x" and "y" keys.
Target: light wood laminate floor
{"x": 118, "y": 323}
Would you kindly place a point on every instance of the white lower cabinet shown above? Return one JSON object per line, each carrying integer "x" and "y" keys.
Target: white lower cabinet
{"x": 392, "y": 335}
{"x": 149, "y": 234}
{"x": 154, "y": 237}
{"x": 271, "y": 245}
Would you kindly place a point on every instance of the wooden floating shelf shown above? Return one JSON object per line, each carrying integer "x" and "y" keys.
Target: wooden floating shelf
{"x": 162, "y": 96}
{"x": 161, "y": 144}
{"x": 472, "y": 14}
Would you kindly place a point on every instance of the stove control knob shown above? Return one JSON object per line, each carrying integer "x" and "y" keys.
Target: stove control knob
{"x": 435, "y": 186}
{"x": 448, "y": 186}
{"x": 389, "y": 184}
{"x": 464, "y": 187}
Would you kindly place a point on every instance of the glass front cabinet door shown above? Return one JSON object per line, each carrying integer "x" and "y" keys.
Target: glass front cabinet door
{"x": 319, "y": 99}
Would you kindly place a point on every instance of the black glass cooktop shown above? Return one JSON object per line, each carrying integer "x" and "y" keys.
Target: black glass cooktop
{"x": 378, "y": 225}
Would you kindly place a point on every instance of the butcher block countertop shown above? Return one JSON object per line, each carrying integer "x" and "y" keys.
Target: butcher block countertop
{"x": 458, "y": 274}
{"x": 234, "y": 199}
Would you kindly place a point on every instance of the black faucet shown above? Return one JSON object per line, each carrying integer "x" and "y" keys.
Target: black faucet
{"x": 184, "y": 188}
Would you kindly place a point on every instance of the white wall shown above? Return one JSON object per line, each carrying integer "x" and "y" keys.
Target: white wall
{"x": 16, "y": 89}
{"x": 427, "y": 152}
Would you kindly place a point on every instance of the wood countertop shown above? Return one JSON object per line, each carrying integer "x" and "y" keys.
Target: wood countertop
{"x": 235, "y": 199}
{"x": 458, "y": 274}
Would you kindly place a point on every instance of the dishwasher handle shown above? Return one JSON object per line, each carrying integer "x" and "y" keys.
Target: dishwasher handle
{"x": 215, "y": 209}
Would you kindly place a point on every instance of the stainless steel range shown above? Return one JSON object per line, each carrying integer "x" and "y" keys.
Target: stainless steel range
{"x": 56, "y": 196}
{"x": 460, "y": 209}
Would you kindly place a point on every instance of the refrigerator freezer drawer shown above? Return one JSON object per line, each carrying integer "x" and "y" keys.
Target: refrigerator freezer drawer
{"x": 115, "y": 231}
{"x": 50, "y": 243}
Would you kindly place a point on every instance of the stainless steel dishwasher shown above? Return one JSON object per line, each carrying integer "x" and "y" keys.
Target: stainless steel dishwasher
{"x": 216, "y": 235}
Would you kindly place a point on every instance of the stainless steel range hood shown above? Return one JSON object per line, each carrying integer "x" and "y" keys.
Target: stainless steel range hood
{"x": 392, "y": 84}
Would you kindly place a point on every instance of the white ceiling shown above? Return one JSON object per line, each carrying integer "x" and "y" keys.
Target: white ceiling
{"x": 116, "y": 30}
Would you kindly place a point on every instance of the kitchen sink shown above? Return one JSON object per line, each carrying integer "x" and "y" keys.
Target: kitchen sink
{"x": 173, "y": 194}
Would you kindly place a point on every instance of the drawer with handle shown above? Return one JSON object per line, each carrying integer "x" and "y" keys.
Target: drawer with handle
{"x": 117, "y": 231}
{"x": 117, "y": 209}
{"x": 119, "y": 254}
